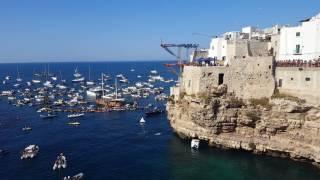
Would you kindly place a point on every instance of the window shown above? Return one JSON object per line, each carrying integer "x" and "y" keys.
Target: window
{"x": 291, "y": 79}
{"x": 223, "y": 58}
{"x": 189, "y": 83}
{"x": 221, "y": 75}
{"x": 308, "y": 79}
{"x": 297, "y": 34}
{"x": 298, "y": 49}
{"x": 212, "y": 48}
{"x": 280, "y": 83}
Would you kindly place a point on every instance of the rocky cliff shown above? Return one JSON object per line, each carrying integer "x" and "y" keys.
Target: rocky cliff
{"x": 279, "y": 126}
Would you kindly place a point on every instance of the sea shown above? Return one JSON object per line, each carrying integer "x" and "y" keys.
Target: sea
{"x": 113, "y": 145}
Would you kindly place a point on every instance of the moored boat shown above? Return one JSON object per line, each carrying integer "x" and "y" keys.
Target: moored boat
{"x": 75, "y": 115}
{"x": 30, "y": 152}
{"x": 60, "y": 162}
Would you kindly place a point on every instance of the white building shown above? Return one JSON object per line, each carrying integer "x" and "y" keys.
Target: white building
{"x": 219, "y": 45}
{"x": 301, "y": 42}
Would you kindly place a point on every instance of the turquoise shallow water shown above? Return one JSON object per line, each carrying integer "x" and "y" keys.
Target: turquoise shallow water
{"x": 113, "y": 145}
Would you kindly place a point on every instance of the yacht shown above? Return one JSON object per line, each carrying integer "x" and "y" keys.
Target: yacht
{"x": 30, "y": 152}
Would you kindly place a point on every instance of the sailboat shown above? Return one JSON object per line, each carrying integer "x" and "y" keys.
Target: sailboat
{"x": 35, "y": 81}
{"x": 18, "y": 75}
{"x": 62, "y": 80}
{"x": 76, "y": 73}
{"x": 142, "y": 121}
{"x": 89, "y": 82}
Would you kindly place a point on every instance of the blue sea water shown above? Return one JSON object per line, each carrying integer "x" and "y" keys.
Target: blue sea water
{"x": 113, "y": 145}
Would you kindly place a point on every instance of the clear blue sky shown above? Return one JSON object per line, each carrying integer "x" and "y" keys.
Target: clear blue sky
{"x": 85, "y": 30}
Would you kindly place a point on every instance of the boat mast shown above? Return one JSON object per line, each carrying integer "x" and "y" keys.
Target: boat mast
{"x": 89, "y": 73}
{"x": 18, "y": 75}
{"x": 102, "y": 84}
{"x": 116, "y": 88}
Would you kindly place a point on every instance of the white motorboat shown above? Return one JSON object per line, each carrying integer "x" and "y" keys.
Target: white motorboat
{"x": 54, "y": 78}
{"x": 154, "y": 72}
{"x": 26, "y": 128}
{"x": 7, "y": 78}
{"x": 6, "y": 93}
{"x": 195, "y": 143}
{"x": 74, "y": 123}
{"x": 47, "y": 84}
{"x": 30, "y": 152}
{"x": 75, "y": 177}
{"x": 36, "y": 81}
{"x": 75, "y": 115}
{"x": 61, "y": 162}
{"x": 79, "y": 79}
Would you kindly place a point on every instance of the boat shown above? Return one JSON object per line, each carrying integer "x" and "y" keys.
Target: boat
{"x": 76, "y": 73}
{"x": 94, "y": 91}
{"x": 35, "y": 81}
{"x": 90, "y": 82}
{"x": 142, "y": 121}
{"x": 79, "y": 79}
{"x": 30, "y": 152}
{"x": 132, "y": 70}
{"x": 75, "y": 177}
{"x": 48, "y": 116}
{"x": 75, "y": 115}
{"x": 154, "y": 111}
{"x": 154, "y": 72}
{"x": 18, "y": 76}
{"x": 74, "y": 123}
{"x": 7, "y": 78}
{"x": 26, "y": 128}
{"x": 60, "y": 162}
{"x": 195, "y": 143}
{"x": 47, "y": 84}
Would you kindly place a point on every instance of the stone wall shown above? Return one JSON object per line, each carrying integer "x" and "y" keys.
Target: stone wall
{"x": 300, "y": 82}
{"x": 249, "y": 77}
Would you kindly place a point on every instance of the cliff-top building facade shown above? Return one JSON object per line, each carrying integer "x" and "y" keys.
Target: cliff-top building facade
{"x": 255, "y": 62}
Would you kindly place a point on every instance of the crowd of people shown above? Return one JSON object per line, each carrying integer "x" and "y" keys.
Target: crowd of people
{"x": 299, "y": 63}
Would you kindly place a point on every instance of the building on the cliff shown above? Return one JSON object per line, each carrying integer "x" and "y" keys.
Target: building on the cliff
{"x": 219, "y": 45}
{"x": 250, "y": 69}
{"x": 301, "y": 42}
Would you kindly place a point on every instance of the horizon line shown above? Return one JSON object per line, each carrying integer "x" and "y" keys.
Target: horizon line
{"x": 84, "y": 61}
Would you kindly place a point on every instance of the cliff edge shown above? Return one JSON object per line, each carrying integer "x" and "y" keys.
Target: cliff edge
{"x": 279, "y": 126}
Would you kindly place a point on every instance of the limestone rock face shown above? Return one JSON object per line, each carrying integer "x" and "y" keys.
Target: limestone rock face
{"x": 287, "y": 129}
